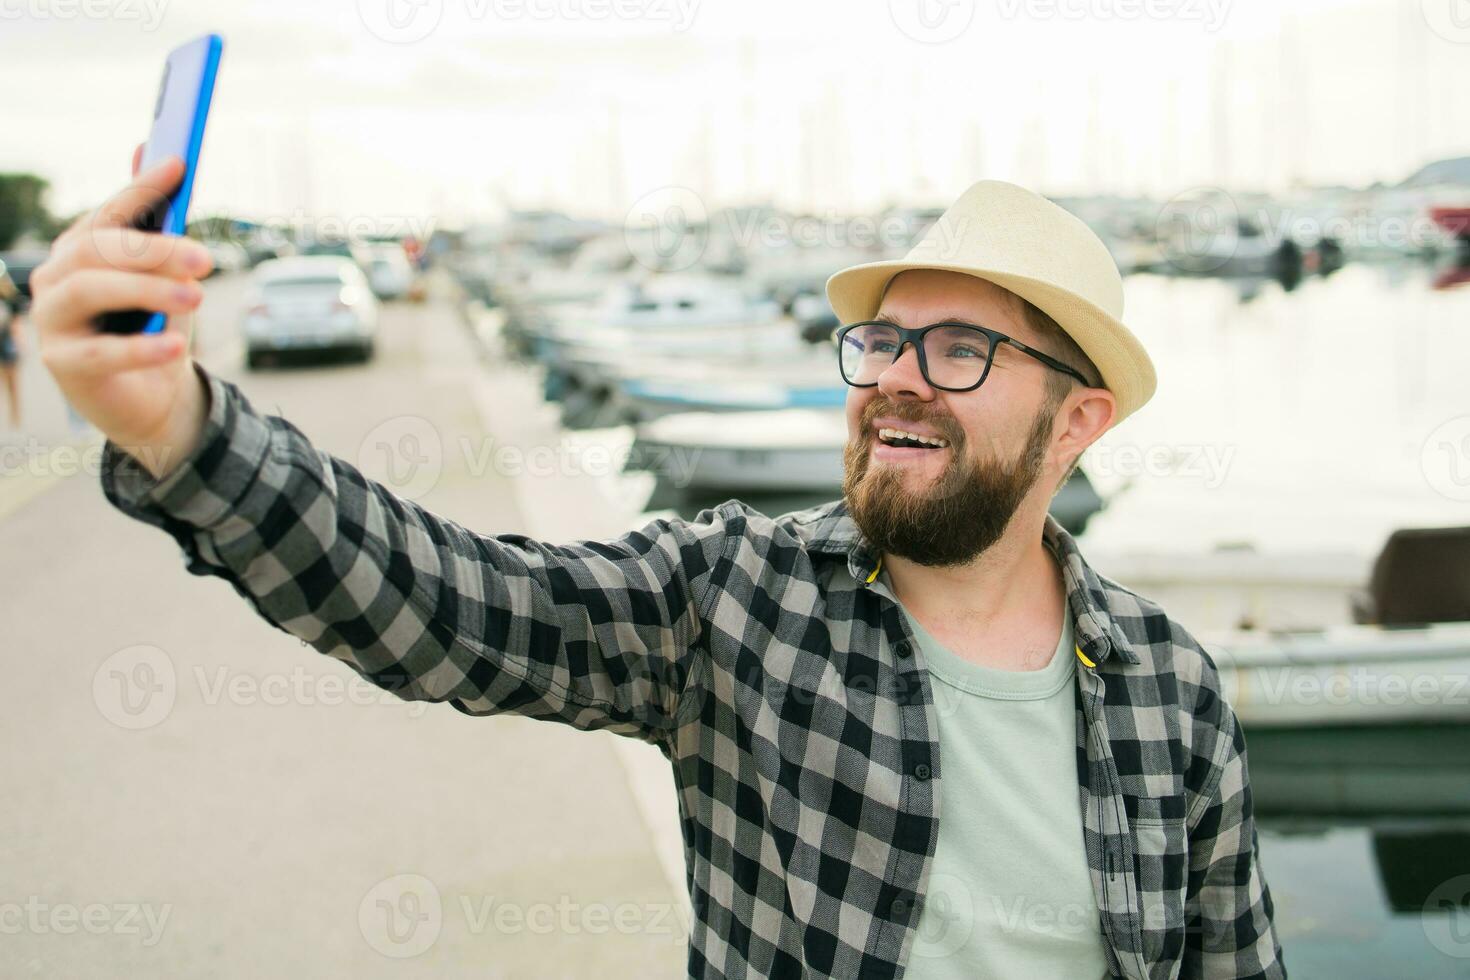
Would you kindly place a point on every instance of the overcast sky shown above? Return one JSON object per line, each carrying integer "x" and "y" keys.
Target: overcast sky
{"x": 460, "y": 107}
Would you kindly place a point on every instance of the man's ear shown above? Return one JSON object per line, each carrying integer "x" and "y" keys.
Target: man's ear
{"x": 1084, "y": 415}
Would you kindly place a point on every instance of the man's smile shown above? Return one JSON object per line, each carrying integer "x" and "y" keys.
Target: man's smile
{"x": 897, "y": 441}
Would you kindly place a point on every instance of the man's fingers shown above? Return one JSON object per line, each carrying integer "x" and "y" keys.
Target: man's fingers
{"x": 132, "y": 250}
{"x": 137, "y": 158}
{"x": 103, "y": 354}
{"x": 73, "y": 302}
{"x": 146, "y": 193}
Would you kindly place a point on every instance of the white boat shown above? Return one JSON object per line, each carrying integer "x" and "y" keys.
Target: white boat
{"x": 1350, "y": 674}
{"x": 670, "y": 330}
{"x": 796, "y": 449}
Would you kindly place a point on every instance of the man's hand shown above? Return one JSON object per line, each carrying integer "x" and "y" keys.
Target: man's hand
{"x": 140, "y": 390}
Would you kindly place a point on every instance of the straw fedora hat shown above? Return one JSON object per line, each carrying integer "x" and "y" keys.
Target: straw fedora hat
{"x": 1020, "y": 241}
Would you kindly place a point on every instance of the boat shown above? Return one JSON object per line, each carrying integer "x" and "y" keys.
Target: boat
{"x": 1369, "y": 711}
{"x": 791, "y": 449}
{"x": 1246, "y": 251}
{"x": 646, "y": 341}
{"x": 1455, "y": 221}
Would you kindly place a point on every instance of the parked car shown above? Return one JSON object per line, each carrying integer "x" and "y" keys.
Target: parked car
{"x": 20, "y": 264}
{"x": 228, "y": 256}
{"x": 317, "y": 303}
{"x": 388, "y": 270}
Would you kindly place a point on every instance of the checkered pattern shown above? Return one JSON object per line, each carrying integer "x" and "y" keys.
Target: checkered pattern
{"x": 791, "y": 702}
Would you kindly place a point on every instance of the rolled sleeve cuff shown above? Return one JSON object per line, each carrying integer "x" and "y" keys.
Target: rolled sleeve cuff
{"x": 204, "y": 488}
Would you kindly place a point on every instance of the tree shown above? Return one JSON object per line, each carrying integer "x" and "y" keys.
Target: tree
{"x": 23, "y": 209}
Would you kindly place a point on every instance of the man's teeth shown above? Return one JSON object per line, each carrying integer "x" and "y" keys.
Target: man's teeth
{"x": 896, "y": 435}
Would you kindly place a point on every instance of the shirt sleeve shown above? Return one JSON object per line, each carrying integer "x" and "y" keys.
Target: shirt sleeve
{"x": 1229, "y": 916}
{"x": 594, "y": 634}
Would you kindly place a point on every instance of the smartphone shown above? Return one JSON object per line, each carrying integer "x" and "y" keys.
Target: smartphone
{"x": 179, "y": 115}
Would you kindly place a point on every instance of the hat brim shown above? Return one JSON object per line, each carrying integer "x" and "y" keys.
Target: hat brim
{"x": 1127, "y": 371}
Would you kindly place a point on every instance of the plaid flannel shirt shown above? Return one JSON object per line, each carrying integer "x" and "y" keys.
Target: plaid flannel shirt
{"x": 792, "y": 704}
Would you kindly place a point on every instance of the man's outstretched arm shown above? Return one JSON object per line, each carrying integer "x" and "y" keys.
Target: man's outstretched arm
{"x": 596, "y": 634}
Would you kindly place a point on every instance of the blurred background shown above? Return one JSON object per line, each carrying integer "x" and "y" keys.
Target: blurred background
{"x": 555, "y": 267}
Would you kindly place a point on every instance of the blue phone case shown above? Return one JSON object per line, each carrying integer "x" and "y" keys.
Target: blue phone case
{"x": 179, "y": 115}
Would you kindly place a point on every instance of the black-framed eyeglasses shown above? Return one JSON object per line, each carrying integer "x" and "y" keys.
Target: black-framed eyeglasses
{"x": 952, "y": 356}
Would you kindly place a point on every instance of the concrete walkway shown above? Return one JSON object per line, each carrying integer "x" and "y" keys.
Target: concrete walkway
{"x": 191, "y": 792}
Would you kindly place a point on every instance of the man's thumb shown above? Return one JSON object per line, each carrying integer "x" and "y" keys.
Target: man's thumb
{"x": 137, "y": 158}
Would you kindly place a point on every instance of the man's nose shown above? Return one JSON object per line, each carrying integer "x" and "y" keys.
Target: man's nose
{"x": 903, "y": 379}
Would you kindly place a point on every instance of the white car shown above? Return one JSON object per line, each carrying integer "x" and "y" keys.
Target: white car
{"x": 388, "y": 270}
{"x": 316, "y": 302}
{"x": 228, "y": 256}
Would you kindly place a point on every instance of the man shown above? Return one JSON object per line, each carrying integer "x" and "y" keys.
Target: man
{"x": 814, "y": 679}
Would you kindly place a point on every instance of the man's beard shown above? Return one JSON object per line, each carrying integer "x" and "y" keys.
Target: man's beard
{"x": 961, "y": 513}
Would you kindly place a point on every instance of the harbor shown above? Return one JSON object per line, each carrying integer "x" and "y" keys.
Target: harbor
{"x": 526, "y": 292}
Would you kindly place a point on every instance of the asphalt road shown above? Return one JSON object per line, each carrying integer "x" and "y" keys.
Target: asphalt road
{"x": 191, "y": 792}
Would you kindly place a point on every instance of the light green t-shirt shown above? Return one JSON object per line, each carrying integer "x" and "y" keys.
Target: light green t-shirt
{"x": 1010, "y": 894}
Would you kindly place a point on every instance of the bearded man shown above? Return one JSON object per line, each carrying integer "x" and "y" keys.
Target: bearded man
{"x": 913, "y": 732}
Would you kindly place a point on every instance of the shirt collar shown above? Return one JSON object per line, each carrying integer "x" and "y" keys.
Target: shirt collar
{"x": 829, "y": 529}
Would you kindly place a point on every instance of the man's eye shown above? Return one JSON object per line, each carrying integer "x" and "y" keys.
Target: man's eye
{"x": 964, "y": 350}
{"x": 881, "y": 347}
